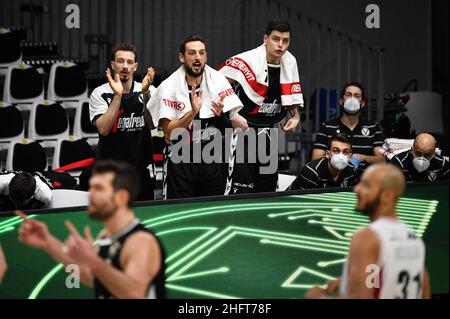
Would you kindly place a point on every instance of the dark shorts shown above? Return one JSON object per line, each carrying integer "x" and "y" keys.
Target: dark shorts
{"x": 246, "y": 177}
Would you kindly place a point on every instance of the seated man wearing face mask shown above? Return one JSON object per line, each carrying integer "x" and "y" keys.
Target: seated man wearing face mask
{"x": 421, "y": 164}
{"x": 333, "y": 170}
{"x": 366, "y": 137}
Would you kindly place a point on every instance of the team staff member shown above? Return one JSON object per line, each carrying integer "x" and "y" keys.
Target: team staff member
{"x": 333, "y": 170}
{"x": 117, "y": 110}
{"x": 421, "y": 163}
{"x": 267, "y": 82}
{"x": 129, "y": 260}
{"x": 366, "y": 136}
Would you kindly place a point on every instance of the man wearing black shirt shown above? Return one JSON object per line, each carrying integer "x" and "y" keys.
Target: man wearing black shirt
{"x": 366, "y": 137}
{"x": 127, "y": 260}
{"x": 246, "y": 177}
{"x": 123, "y": 123}
{"x": 333, "y": 170}
{"x": 207, "y": 91}
{"x": 421, "y": 163}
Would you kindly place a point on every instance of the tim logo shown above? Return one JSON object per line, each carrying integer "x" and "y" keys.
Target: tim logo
{"x": 179, "y": 106}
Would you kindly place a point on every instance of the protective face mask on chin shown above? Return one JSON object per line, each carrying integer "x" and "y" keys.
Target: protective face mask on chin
{"x": 339, "y": 161}
{"x": 352, "y": 105}
{"x": 421, "y": 164}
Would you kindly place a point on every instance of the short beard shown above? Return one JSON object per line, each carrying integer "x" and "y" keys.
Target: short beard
{"x": 192, "y": 73}
{"x": 102, "y": 215}
{"x": 370, "y": 208}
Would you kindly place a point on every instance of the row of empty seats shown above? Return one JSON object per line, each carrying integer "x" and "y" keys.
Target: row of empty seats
{"x": 29, "y": 155}
{"x": 48, "y": 121}
{"x": 24, "y": 85}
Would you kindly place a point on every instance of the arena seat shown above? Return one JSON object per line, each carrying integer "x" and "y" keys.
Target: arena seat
{"x": 26, "y": 155}
{"x": 11, "y": 52}
{"x": 11, "y": 124}
{"x": 23, "y": 86}
{"x": 48, "y": 122}
{"x": 67, "y": 84}
{"x": 82, "y": 125}
{"x": 69, "y": 150}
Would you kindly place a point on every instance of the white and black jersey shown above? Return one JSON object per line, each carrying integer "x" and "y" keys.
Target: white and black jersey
{"x": 315, "y": 174}
{"x": 365, "y": 137}
{"x": 271, "y": 111}
{"x": 438, "y": 170}
{"x": 110, "y": 249}
{"x": 195, "y": 179}
{"x": 130, "y": 138}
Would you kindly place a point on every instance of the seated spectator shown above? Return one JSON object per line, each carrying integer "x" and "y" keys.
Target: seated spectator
{"x": 23, "y": 190}
{"x": 365, "y": 136}
{"x": 333, "y": 170}
{"x": 421, "y": 163}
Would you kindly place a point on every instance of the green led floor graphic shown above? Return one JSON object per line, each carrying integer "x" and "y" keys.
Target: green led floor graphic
{"x": 251, "y": 248}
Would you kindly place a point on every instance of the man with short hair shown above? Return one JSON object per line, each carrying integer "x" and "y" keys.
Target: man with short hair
{"x": 199, "y": 101}
{"x": 128, "y": 260}
{"x": 421, "y": 163}
{"x": 117, "y": 109}
{"x": 333, "y": 170}
{"x": 366, "y": 136}
{"x": 386, "y": 259}
{"x": 267, "y": 82}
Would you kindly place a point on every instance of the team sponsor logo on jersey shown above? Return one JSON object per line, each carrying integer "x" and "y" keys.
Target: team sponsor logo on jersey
{"x": 227, "y": 92}
{"x": 179, "y": 106}
{"x": 270, "y": 108}
{"x": 432, "y": 176}
{"x": 204, "y": 134}
{"x": 132, "y": 123}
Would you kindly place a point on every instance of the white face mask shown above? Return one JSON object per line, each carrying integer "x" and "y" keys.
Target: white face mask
{"x": 339, "y": 161}
{"x": 421, "y": 164}
{"x": 352, "y": 105}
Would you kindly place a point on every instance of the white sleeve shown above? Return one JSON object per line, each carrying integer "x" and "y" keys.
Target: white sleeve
{"x": 97, "y": 105}
{"x": 43, "y": 193}
{"x": 231, "y": 101}
{"x": 159, "y": 107}
{"x": 5, "y": 179}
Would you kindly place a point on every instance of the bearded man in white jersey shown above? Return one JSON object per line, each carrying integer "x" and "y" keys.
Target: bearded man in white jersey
{"x": 386, "y": 259}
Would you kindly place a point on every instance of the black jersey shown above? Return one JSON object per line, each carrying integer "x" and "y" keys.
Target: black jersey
{"x": 315, "y": 174}
{"x": 109, "y": 249}
{"x": 204, "y": 130}
{"x": 130, "y": 138}
{"x": 271, "y": 111}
